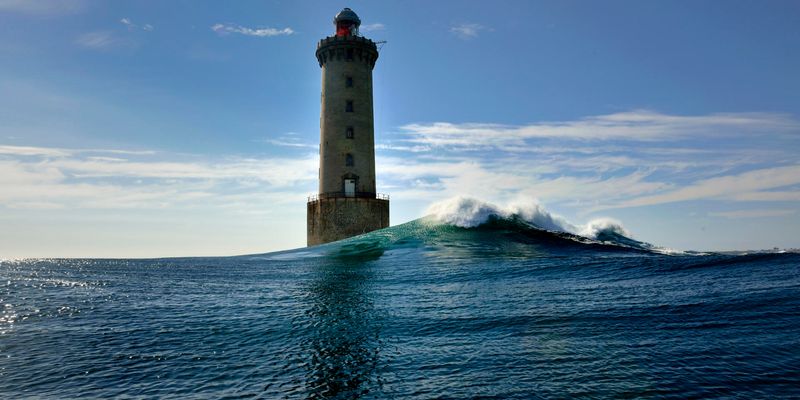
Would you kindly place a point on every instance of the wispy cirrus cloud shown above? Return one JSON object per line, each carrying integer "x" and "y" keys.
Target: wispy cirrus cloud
{"x": 438, "y": 179}
{"x": 372, "y": 27}
{"x": 727, "y": 187}
{"x": 33, "y": 151}
{"x": 597, "y": 172}
{"x": 755, "y": 213}
{"x": 290, "y": 143}
{"x": 131, "y": 26}
{"x": 730, "y": 161}
{"x": 772, "y": 195}
{"x": 226, "y": 29}
{"x": 395, "y": 147}
{"x": 637, "y": 125}
{"x": 627, "y": 159}
{"x": 99, "y": 40}
{"x": 109, "y": 39}
{"x": 96, "y": 178}
{"x": 415, "y": 179}
{"x": 290, "y": 139}
{"x": 468, "y": 30}
{"x": 43, "y": 7}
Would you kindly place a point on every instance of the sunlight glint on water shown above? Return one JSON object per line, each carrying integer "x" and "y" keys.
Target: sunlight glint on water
{"x": 419, "y": 310}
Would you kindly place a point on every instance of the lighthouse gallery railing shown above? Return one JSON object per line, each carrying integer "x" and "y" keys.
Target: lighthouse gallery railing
{"x": 336, "y": 195}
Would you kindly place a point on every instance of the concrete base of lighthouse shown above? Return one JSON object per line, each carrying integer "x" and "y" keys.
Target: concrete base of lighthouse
{"x": 337, "y": 218}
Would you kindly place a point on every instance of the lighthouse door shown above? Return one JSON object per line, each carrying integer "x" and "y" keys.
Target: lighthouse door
{"x": 350, "y": 187}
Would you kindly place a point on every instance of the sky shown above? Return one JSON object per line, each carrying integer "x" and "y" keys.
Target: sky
{"x": 191, "y": 128}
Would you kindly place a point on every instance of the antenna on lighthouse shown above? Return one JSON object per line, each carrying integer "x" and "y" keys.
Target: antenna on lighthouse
{"x": 380, "y": 44}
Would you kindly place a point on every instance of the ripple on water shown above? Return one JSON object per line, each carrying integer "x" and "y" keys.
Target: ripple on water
{"x": 407, "y": 323}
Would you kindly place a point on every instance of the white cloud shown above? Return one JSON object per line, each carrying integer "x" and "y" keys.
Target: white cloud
{"x": 625, "y": 159}
{"x": 103, "y": 40}
{"x": 289, "y": 143}
{"x": 372, "y": 27}
{"x": 638, "y": 125}
{"x": 52, "y": 178}
{"x": 280, "y": 171}
{"x": 583, "y": 165}
{"x": 757, "y": 213}
{"x": 724, "y": 158}
{"x": 98, "y": 40}
{"x": 518, "y": 179}
{"x": 43, "y": 7}
{"x": 572, "y": 176}
{"x": 60, "y": 152}
{"x": 33, "y": 151}
{"x": 793, "y": 195}
{"x": 223, "y": 29}
{"x": 728, "y": 187}
{"x": 589, "y": 192}
{"x": 468, "y": 30}
{"x": 116, "y": 151}
{"x": 412, "y": 149}
{"x": 285, "y": 143}
{"x": 131, "y": 26}
{"x": 290, "y": 140}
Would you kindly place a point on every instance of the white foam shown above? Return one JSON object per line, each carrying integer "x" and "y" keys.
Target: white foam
{"x": 674, "y": 252}
{"x": 464, "y": 212}
{"x": 468, "y": 212}
{"x": 600, "y": 225}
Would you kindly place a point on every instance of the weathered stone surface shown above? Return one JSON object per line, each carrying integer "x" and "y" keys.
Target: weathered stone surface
{"x": 339, "y": 218}
{"x": 334, "y": 144}
{"x": 347, "y": 204}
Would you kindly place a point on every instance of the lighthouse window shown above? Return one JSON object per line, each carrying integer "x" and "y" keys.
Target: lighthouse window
{"x": 349, "y": 81}
{"x": 349, "y": 132}
{"x": 348, "y": 160}
{"x": 349, "y": 54}
{"x": 349, "y": 107}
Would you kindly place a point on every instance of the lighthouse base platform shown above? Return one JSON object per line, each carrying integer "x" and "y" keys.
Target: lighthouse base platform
{"x": 335, "y": 218}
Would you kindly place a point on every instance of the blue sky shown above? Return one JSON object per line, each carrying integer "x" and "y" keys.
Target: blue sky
{"x": 191, "y": 128}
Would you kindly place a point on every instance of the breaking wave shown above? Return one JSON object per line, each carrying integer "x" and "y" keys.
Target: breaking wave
{"x": 467, "y": 227}
{"x": 470, "y": 213}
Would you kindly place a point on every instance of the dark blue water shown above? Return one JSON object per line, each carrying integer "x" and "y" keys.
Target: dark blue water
{"x": 414, "y": 312}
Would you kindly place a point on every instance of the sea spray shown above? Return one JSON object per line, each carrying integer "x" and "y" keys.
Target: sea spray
{"x": 528, "y": 227}
{"x": 466, "y": 212}
{"x": 596, "y": 227}
{"x": 415, "y": 311}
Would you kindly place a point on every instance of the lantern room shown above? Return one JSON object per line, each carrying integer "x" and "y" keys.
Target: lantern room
{"x": 347, "y": 23}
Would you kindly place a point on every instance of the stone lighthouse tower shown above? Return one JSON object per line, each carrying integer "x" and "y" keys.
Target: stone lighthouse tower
{"x": 347, "y": 204}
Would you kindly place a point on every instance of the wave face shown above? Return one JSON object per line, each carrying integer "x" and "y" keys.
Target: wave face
{"x": 473, "y": 301}
{"x": 470, "y": 213}
{"x": 467, "y": 227}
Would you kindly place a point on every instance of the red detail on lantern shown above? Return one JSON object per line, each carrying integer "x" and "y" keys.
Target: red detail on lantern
{"x": 343, "y": 29}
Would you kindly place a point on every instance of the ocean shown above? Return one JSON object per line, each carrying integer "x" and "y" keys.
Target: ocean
{"x": 425, "y": 310}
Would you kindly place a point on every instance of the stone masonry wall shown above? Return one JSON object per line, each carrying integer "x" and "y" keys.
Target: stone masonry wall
{"x": 337, "y": 67}
{"x": 335, "y": 219}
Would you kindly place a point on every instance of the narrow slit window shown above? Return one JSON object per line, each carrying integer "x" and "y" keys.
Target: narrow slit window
{"x": 348, "y": 160}
{"x": 349, "y": 106}
{"x": 349, "y": 81}
{"x": 349, "y": 132}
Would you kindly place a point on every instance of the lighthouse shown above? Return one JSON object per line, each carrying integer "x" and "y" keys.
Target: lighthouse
{"x": 347, "y": 203}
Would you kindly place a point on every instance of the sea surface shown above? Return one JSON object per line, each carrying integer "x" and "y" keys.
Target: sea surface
{"x": 424, "y": 310}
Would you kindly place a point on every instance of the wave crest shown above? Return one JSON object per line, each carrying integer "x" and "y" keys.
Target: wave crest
{"x": 466, "y": 212}
{"x": 596, "y": 228}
